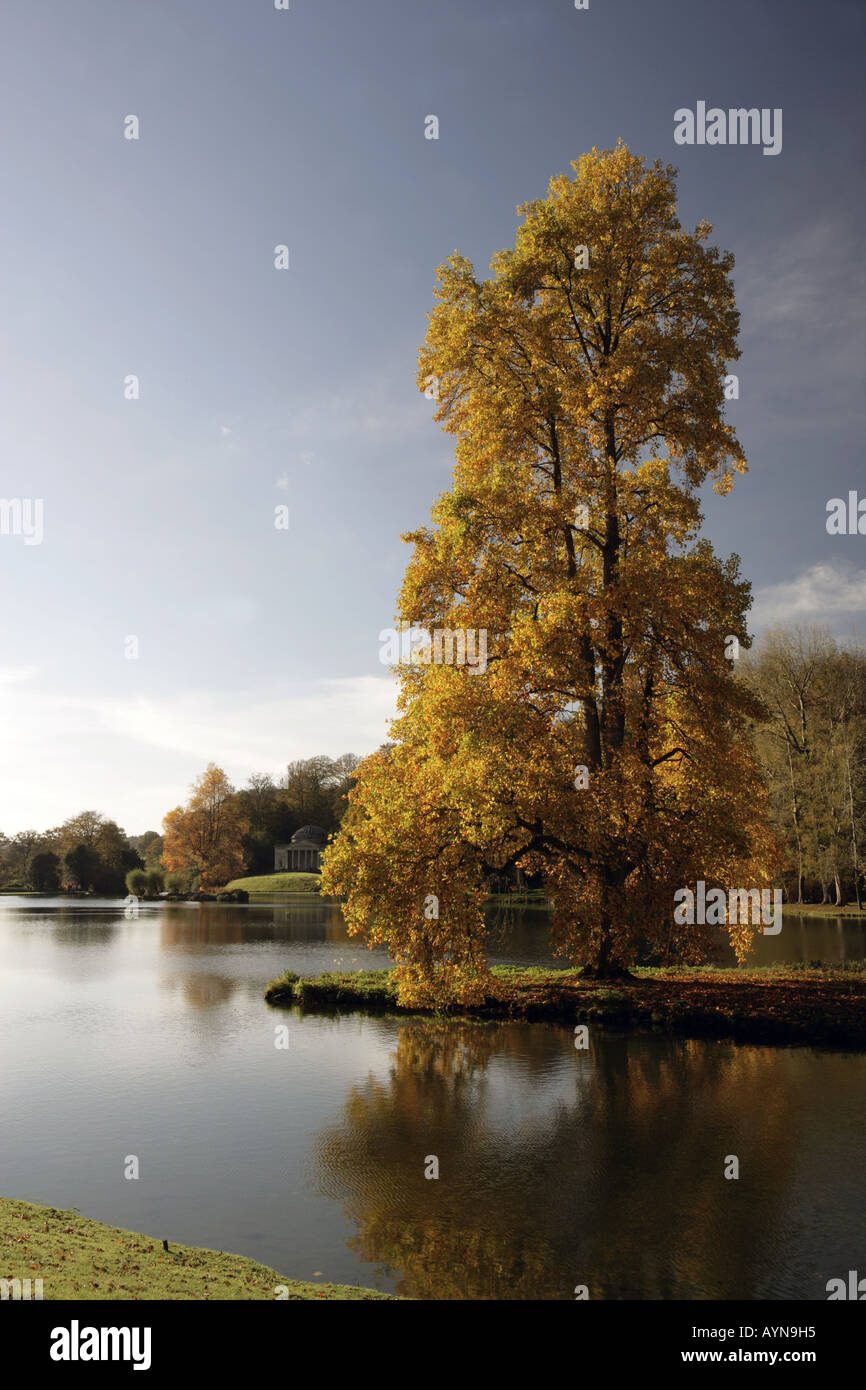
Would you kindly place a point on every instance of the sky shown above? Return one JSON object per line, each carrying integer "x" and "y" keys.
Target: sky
{"x": 260, "y": 387}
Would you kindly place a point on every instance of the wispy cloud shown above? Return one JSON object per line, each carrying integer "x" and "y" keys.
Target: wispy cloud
{"x": 134, "y": 757}
{"x": 814, "y": 275}
{"x": 823, "y": 593}
{"x": 14, "y": 675}
{"x": 800, "y": 303}
{"x": 328, "y": 716}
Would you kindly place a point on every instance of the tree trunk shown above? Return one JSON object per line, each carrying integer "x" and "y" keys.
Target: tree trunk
{"x": 854, "y": 854}
{"x": 795, "y": 812}
{"x": 605, "y": 967}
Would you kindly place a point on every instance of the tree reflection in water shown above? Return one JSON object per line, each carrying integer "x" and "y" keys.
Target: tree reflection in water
{"x": 560, "y": 1167}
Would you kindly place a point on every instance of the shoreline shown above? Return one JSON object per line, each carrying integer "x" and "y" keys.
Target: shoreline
{"x": 523, "y": 902}
{"x": 785, "y": 1005}
{"x": 77, "y": 1258}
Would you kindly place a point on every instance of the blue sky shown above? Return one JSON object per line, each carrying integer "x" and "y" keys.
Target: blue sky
{"x": 259, "y": 387}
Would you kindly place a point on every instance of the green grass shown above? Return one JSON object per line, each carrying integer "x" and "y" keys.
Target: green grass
{"x": 824, "y": 909}
{"x": 534, "y": 898}
{"x": 769, "y": 1004}
{"x": 81, "y": 1259}
{"x": 371, "y": 989}
{"x": 277, "y": 883}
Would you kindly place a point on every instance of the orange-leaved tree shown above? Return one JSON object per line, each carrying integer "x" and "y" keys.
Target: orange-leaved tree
{"x": 206, "y": 834}
{"x": 604, "y": 741}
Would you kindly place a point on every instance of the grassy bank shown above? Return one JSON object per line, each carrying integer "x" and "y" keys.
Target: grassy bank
{"x": 80, "y": 1259}
{"x": 533, "y": 899}
{"x": 276, "y": 883}
{"x": 779, "y": 1004}
{"x": 824, "y": 910}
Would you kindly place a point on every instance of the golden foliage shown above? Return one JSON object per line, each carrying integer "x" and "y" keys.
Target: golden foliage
{"x": 587, "y": 408}
{"x": 206, "y": 834}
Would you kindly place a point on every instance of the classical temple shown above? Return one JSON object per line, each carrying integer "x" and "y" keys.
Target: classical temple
{"x": 303, "y": 852}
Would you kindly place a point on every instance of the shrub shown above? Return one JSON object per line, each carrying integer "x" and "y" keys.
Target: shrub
{"x": 180, "y": 881}
{"x": 137, "y": 882}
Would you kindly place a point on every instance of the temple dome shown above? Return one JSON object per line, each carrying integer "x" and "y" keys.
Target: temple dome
{"x": 312, "y": 833}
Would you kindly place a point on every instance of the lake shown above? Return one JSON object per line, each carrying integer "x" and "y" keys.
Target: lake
{"x": 557, "y": 1167}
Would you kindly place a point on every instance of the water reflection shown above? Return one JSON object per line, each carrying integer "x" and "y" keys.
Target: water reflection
{"x": 805, "y": 937}
{"x": 204, "y": 991}
{"x": 74, "y": 931}
{"x": 516, "y": 934}
{"x": 187, "y": 928}
{"x": 557, "y": 1167}
{"x": 606, "y": 1169}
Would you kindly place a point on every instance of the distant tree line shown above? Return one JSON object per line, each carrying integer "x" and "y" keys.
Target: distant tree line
{"x": 812, "y": 749}
{"x": 220, "y": 833}
{"x": 87, "y": 853}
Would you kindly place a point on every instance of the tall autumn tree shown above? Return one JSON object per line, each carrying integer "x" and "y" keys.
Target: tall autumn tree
{"x": 605, "y": 742}
{"x": 206, "y": 835}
